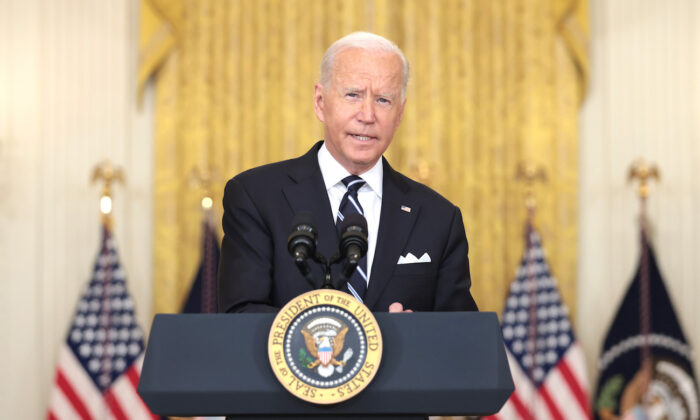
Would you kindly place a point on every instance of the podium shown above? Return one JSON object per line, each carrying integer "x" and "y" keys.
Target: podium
{"x": 437, "y": 363}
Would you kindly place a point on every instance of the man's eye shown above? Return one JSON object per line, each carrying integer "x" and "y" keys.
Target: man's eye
{"x": 352, "y": 95}
{"x": 383, "y": 101}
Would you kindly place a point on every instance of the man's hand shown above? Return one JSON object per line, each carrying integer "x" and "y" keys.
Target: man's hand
{"x": 397, "y": 307}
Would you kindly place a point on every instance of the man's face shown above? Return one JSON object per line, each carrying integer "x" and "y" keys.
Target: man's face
{"x": 362, "y": 107}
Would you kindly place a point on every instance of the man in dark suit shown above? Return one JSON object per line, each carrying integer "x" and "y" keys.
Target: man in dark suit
{"x": 417, "y": 255}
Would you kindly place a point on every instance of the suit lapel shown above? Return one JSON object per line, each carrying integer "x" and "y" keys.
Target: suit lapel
{"x": 308, "y": 193}
{"x": 395, "y": 226}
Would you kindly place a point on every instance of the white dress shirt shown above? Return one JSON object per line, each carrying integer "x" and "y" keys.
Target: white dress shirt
{"x": 370, "y": 195}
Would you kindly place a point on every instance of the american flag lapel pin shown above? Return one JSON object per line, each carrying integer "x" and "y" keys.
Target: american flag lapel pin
{"x": 406, "y": 209}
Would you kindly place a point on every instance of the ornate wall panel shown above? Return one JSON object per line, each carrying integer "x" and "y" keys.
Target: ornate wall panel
{"x": 67, "y": 101}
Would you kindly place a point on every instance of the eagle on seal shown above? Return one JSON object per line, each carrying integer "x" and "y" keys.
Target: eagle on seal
{"x": 323, "y": 350}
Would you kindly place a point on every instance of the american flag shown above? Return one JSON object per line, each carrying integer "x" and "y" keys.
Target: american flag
{"x": 546, "y": 361}
{"x": 100, "y": 361}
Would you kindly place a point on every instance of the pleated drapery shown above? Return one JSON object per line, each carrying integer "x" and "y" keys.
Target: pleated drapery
{"x": 494, "y": 83}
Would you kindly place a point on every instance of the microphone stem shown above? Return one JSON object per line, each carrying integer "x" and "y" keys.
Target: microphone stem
{"x": 327, "y": 283}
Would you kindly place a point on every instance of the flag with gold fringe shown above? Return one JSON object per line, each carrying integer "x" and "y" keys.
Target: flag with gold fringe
{"x": 646, "y": 369}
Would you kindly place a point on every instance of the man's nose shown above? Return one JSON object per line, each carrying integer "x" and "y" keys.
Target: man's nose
{"x": 366, "y": 111}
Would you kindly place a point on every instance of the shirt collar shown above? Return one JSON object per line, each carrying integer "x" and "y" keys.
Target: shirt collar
{"x": 333, "y": 172}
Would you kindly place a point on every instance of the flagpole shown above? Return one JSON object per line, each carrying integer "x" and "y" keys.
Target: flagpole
{"x": 106, "y": 173}
{"x": 529, "y": 174}
{"x": 644, "y": 172}
{"x": 204, "y": 179}
{"x": 209, "y": 276}
{"x": 544, "y": 356}
{"x": 530, "y": 205}
{"x": 100, "y": 362}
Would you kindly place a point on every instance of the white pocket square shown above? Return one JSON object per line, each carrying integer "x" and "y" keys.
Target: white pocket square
{"x": 411, "y": 259}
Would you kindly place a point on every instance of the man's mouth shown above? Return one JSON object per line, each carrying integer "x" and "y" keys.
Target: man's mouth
{"x": 362, "y": 138}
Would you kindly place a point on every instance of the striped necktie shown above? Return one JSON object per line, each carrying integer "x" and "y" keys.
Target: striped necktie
{"x": 357, "y": 284}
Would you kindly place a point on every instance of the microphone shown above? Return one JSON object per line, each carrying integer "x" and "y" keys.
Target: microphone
{"x": 301, "y": 243}
{"x": 353, "y": 242}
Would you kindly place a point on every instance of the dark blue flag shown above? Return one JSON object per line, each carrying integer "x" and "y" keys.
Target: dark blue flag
{"x": 665, "y": 386}
{"x": 202, "y": 297}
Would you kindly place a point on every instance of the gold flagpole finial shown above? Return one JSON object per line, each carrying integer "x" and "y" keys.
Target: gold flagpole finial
{"x": 530, "y": 174}
{"x": 425, "y": 172}
{"x": 643, "y": 171}
{"x": 204, "y": 179}
{"x": 108, "y": 174}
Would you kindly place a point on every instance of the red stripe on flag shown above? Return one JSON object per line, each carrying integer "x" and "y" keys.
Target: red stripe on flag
{"x": 114, "y": 406}
{"x": 575, "y": 386}
{"x": 553, "y": 410}
{"x": 74, "y": 399}
{"x": 521, "y": 408}
{"x": 133, "y": 375}
{"x": 51, "y": 416}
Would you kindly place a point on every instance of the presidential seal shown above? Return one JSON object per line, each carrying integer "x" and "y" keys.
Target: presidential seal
{"x": 325, "y": 346}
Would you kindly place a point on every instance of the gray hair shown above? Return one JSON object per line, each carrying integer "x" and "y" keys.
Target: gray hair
{"x": 364, "y": 41}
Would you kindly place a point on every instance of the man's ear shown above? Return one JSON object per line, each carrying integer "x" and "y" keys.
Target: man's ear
{"x": 318, "y": 101}
{"x": 403, "y": 106}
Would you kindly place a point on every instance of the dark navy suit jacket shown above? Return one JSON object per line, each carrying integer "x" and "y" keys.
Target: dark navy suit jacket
{"x": 257, "y": 274}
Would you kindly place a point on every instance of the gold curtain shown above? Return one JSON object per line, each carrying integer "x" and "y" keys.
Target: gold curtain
{"x": 493, "y": 83}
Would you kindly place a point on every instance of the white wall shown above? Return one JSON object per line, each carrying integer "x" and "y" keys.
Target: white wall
{"x": 67, "y": 101}
{"x": 644, "y": 101}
